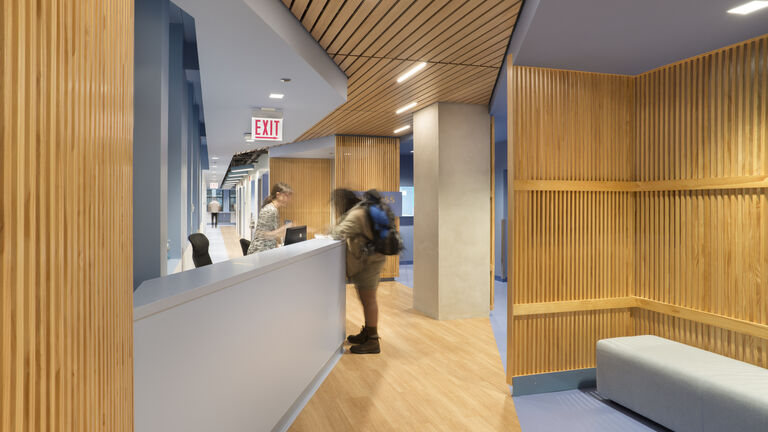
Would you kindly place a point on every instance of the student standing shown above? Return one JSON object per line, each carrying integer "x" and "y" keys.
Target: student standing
{"x": 268, "y": 230}
{"x": 364, "y": 265}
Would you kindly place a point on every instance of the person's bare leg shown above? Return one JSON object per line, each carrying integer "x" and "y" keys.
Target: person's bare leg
{"x": 370, "y": 307}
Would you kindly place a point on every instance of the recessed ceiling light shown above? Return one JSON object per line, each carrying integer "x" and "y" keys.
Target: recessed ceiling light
{"x": 406, "y": 108}
{"x": 406, "y": 127}
{"x": 411, "y": 72}
{"x": 250, "y": 140}
{"x": 276, "y": 95}
{"x": 748, "y": 8}
{"x": 215, "y": 158}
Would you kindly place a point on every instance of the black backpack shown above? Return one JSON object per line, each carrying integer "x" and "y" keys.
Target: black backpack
{"x": 386, "y": 238}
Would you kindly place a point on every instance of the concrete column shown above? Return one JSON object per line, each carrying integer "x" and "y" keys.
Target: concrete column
{"x": 452, "y": 247}
{"x": 176, "y": 88}
{"x": 150, "y": 140}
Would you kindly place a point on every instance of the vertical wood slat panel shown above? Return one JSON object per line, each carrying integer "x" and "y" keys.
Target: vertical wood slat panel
{"x": 364, "y": 162}
{"x": 66, "y": 122}
{"x": 705, "y": 250}
{"x": 569, "y": 245}
{"x": 700, "y": 119}
{"x": 310, "y": 180}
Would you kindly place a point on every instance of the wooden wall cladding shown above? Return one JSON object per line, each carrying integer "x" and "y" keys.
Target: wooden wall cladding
{"x": 310, "y": 180}
{"x": 568, "y": 245}
{"x": 375, "y": 42}
{"x": 706, "y": 250}
{"x": 66, "y": 299}
{"x": 667, "y": 180}
{"x": 364, "y": 163}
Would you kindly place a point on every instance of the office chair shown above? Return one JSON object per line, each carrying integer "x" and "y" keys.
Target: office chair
{"x": 244, "y": 245}
{"x": 200, "y": 254}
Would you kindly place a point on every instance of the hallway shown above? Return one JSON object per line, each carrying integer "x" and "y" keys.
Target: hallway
{"x": 431, "y": 376}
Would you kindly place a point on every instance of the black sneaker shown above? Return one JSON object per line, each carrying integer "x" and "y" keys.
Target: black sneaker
{"x": 359, "y": 338}
{"x": 371, "y": 346}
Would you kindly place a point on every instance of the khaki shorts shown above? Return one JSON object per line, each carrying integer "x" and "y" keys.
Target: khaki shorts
{"x": 368, "y": 278}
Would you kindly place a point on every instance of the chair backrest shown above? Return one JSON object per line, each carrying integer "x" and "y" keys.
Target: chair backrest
{"x": 244, "y": 245}
{"x": 200, "y": 254}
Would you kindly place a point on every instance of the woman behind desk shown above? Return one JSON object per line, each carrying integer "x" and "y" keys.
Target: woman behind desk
{"x": 268, "y": 230}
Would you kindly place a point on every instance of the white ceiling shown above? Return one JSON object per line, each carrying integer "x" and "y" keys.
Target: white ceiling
{"x": 630, "y": 36}
{"x": 241, "y": 62}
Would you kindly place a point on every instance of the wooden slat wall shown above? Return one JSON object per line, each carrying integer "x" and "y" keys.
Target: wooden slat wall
{"x": 569, "y": 244}
{"x": 706, "y": 250}
{"x": 639, "y": 206}
{"x": 364, "y": 163}
{"x": 310, "y": 180}
{"x": 66, "y": 299}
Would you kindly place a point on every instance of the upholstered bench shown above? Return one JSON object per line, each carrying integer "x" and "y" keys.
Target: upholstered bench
{"x": 682, "y": 387}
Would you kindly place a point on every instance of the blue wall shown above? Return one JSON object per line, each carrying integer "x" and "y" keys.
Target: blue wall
{"x": 168, "y": 136}
{"x": 406, "y": 223}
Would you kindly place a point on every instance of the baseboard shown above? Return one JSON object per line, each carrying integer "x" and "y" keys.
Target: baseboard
{"x": 290, "y": 416}
{"x": 499, "y": 278}
{"x": 555, "y": 381}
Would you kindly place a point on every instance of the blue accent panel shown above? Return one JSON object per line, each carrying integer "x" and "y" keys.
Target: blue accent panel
{"x": 406, "y": 169}
{"x": 555, "y": 381}
{"x": 406, "y": 262}
{"x": 176, "y": 89}
{"x": 150, "y": 139}
{"x": 204, "y": 156}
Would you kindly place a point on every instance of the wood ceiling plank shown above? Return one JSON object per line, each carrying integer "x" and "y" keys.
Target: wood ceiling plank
{"x": 341, "y": 21}
{"x": 353, "y": 25}
{"x": 298, "y": 8}
{"x": 441, "y": 24}
{"x": 474, "y": 24}
{"x": 313, "y": 13}
{"x": 410, "y": 21}
{"x": 374, "y": 25}
{"x": 380, "y": 10}
{"x": 326, "y": 16}
{"x": 375, "y": 42}
{"x": 493, "y": 46}
{"x": 450, "y": 49}
{"x": 287, "y": 4}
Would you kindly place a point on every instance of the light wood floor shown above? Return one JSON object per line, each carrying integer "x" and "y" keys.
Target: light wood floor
{"x": 231, "y": 241}
{"x": 431, "y": 376}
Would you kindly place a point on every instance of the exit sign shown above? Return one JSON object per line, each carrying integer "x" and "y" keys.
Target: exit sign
{"x": 267, "y": 129}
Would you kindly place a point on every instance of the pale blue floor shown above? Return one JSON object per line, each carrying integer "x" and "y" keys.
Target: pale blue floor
{"x": 573, "y": 410}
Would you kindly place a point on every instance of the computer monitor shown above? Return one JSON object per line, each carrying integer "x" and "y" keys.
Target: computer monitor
{"x": 295, "y": 234}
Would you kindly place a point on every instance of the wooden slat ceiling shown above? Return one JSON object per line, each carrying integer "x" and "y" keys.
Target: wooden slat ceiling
{"x": 374, "y": 42}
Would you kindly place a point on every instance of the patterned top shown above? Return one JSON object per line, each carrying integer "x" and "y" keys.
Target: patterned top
{"x": 268, "y": 221}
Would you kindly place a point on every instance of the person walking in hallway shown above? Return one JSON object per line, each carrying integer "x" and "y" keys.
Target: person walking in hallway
{"x": 364, "y": 265}
{"x": 214, "y": 208}
{"x": 268, "y": 230}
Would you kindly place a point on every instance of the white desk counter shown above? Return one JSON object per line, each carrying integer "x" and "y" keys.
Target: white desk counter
{"x": 238, "y": 345}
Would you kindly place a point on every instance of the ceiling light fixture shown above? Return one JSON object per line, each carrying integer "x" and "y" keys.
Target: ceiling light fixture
{"x": 406, "y": 127}
{"x": 215, "y": 158}
{"x": 412, "y": 71}
{"x": 406, "y": 108}
{"x": 276, "y": 95}
{"x": 748, "y": 8}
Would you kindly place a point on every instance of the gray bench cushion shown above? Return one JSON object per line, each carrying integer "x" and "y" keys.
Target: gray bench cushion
{"x": 682, "y": 387}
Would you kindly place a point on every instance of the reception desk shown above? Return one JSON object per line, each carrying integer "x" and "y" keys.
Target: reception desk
{"x": 238, "y": 345}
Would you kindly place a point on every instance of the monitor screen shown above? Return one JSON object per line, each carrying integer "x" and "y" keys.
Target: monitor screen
{"x": 295, "y": 234}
